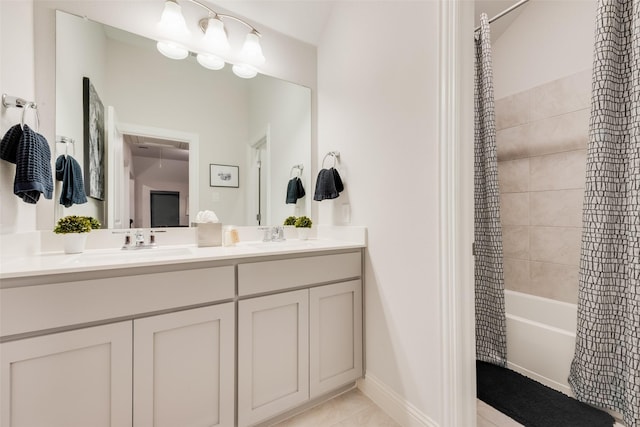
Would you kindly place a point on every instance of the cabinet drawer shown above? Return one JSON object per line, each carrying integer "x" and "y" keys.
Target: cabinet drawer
{"x": 268, "y": 276}
{"x": 34, "y": 308}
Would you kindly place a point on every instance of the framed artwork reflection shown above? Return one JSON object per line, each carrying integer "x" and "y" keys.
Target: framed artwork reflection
{"x": 224, "y": 176}
{"x": 94, "y": 141}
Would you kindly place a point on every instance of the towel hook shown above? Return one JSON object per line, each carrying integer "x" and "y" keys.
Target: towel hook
{"x": 66, "y": 141}
{"x": 30, "y": 106}
{"x": 299, "y": 167}
{"x": 334, "y": 154}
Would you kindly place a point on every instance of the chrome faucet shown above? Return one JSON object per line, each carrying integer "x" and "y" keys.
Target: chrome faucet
{"x": 273, "y": 234}
{"x": 138, "y": 239}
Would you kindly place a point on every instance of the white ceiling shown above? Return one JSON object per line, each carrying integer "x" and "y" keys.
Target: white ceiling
{"x": 305, "y": 19}
{"x": 301, "y": 19}
{"x": 157, "y": 148}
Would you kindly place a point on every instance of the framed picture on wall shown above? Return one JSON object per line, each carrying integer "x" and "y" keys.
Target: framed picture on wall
{"x": 94, "y": 141}
{"x": 224, "y": 176}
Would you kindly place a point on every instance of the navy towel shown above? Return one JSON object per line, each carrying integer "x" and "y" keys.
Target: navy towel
{"x": 328, "y": 185}
{"x": 295, "y": 190}
{"x": 9, "y": 144}
{"x": 30, "y": 152}
{"x": 69, "y": 172}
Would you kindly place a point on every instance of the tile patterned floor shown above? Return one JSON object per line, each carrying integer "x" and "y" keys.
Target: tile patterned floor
{"x": 489, "y": 417}
{"x": 355, "y": 409}
{"x": 349, "y": 409}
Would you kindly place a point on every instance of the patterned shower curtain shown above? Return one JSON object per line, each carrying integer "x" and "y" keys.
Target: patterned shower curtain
{"x": 606, "y": 367}
{"x": 491, "y": 341}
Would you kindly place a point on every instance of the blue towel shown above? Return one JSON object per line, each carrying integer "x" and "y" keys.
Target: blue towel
{"x": 328, "y": 185}
{"x": 9, "y": 144}
{"x": 69, "y": 172}
{"x": 295, "y": 190}
{"x": 30, "y": 152}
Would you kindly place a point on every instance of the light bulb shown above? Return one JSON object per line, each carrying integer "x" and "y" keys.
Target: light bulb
{"x": 172, "y": 50}
{"x": 172, "y": 23}
{"x": 244, "y": 71}
{"x": 210, "y": 61}
{"x": 215, "y": 37}
{"x": 251, "y": 50}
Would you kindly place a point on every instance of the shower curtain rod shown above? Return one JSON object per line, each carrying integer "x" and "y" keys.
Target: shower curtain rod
{"x": 504, "y": 12}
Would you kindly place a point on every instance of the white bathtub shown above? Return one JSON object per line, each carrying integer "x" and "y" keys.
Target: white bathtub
{"x": 540, "y": 338}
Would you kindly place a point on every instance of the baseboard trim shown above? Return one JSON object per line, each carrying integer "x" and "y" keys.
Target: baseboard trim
{"x": 541, "y": 379}
{"x": 403, "y": 412}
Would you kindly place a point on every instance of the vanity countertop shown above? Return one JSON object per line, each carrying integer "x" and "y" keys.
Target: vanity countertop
{"x": 106, "y": 259}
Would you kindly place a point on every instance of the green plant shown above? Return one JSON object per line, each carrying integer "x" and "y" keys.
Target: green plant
{"x": 291, "y": 220}
{"x": 76, "y": 224}
{"x": 95, "y": 224}
{"x": 303, "y": 222}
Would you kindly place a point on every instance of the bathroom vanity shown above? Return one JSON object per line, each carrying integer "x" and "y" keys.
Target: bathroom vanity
{"x": 210, "y": 336}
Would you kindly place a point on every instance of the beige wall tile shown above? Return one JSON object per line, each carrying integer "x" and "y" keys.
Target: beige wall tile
{"x": 513, "y": 176}
{"x": 514, "y": 209}
{"x": 555, "y": 244}
{"x": 562, "y": 171}
{"x": 515, "y": 241}
{"x": 561, "y": 96}
{"x": 513, "y": 110}
{"x": 566, "y": 132}
{"x": 511, "y": 143}
{"x": 556, "y": 208}
{"x": 516, "y": 274}
{"x": 555, "y": 281}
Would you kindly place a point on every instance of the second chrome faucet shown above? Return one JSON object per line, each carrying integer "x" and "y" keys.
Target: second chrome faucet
{"x": 273, "y": 234}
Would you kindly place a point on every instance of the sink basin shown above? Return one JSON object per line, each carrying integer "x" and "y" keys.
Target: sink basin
{"x": 119, "y": 255}
{"x": 286, "y": 245}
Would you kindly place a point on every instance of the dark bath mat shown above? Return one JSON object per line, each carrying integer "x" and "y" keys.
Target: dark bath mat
{"x": 533, "y": 404}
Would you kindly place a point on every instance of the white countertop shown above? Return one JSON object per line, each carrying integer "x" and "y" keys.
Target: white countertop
{"x": 108, "y": 259}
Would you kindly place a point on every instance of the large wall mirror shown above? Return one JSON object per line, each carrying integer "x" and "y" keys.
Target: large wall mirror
{"x": 177, "y": 136}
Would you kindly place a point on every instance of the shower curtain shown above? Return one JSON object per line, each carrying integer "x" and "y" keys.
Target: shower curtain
{"x": 606, "y": 367}
{"x": 491, "y": 342}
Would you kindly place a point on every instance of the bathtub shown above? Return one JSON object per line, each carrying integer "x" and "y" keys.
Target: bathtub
{"x": 540, "y": 338}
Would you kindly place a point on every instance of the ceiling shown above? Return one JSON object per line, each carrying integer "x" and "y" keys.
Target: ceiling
{"x": 157, "y": 148}
{"x": 306, "y": 19}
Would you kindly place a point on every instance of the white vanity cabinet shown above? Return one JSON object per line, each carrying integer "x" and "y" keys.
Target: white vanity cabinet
{"x": 74, "y": 379}
{"x": 154, "y": 362}
{"x": 232, "y": 342}
{"x": 183, "y": 368}
{"x": 296, "y": 345}
{"x": 335, "y": 336}
{"x": 273, "y": 355}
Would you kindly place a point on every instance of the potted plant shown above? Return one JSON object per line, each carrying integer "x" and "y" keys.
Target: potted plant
{"x": 75, "y": 229}
{"x": 290, "y": 220}
{"x": 303, "y": 225}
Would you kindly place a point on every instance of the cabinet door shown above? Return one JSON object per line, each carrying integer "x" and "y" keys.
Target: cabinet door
{"x": 273, "y": 355}
{"x": 71, "y": 379}
{"x": 335, "y": 336}
{"x": 184, "y": 368}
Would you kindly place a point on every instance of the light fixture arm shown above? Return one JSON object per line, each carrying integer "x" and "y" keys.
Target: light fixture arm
{"x": 222, "y": 15}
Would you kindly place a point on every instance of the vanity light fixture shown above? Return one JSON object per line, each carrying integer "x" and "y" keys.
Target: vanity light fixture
{"x": 173, "y": 28}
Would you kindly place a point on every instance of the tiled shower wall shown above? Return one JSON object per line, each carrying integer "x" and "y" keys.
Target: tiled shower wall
{"x": 542, "y": 140}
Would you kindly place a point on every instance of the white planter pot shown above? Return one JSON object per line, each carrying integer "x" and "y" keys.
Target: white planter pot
{"x": 303, "y": 233}
{"x": 74, "y": 243}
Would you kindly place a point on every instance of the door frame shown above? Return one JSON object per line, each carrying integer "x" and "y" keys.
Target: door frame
{"x": 192, "y": 139}
{"x": 455, "y": 142}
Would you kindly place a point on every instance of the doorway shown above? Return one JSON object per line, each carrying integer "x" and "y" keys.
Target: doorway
{"x": 165, "y": 209}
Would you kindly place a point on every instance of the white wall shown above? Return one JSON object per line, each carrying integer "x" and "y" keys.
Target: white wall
{"x": 286, "y": 109}
{"x": 16, "y": 79}
{"x": 377, "y": 105}
{"x": 547, "y": 41}
{"x": 81, "y": 46}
